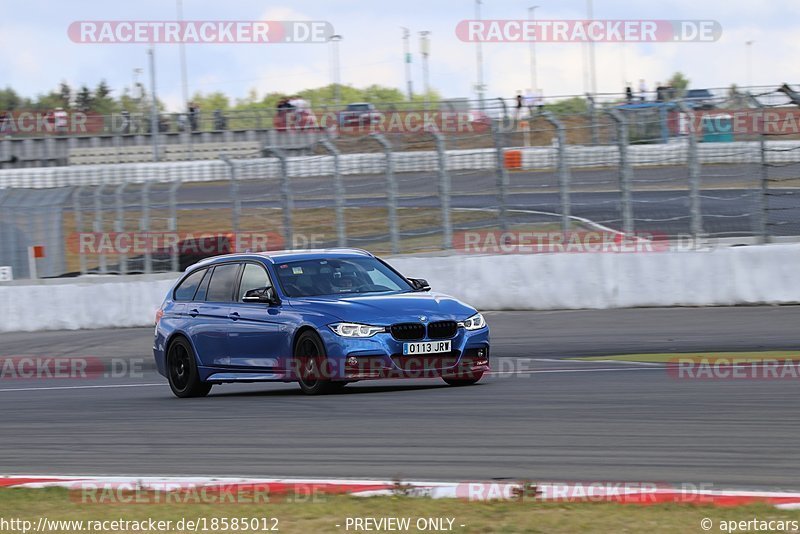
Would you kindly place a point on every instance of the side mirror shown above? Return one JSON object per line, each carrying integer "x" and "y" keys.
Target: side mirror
{"x": 419, "y": 284}
{"x": 265, "y": 295}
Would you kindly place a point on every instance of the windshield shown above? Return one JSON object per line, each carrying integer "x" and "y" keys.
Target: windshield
{"x": 358, "y": 107}
{"x": 309, "y": 278}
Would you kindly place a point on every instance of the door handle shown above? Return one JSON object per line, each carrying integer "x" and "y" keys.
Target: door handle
{"x": 234, "y": 316}
{"x": 194, "y": 312}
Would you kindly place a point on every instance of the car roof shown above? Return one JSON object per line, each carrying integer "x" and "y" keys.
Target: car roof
{"x": 279, "y": 256}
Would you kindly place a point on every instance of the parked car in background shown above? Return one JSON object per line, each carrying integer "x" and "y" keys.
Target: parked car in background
{"x": 699, "y": 99}
{"x": 359, "y": 114}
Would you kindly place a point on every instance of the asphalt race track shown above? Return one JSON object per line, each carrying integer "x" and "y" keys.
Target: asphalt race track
{"x": 729, "y": 196}
{"x": 543, "y": 416}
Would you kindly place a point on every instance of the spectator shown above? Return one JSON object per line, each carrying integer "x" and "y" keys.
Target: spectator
{"x": 519, "y": 105}
{"x": 284, "y": 109}
{"x": 126, "y": 122}
{"x": 60, "y": 120}
{"x": 629, "y": 94}
{"x": 642, "y": 90}
{"x": 660, "y": 92}
{"x": 194, "y": 112}
{"x": 539, "y": 99}
{"x": 220, "y": 122}
{"x": 300, "y": 107}
{"x": 529, "y": 100}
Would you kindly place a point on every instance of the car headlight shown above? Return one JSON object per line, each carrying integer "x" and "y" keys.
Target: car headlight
{"x": 355, "y": 330}
{"x": 476, "y": 322}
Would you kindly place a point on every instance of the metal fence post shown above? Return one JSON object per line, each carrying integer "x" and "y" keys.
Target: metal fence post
{"x": 287, "y": 203}
{"x": 444, "y": 192}
{"x": 172, "y": 223}
{"x": 144, "y": 226}
{"x": 563, "y": 169}
{"x": 97, "y": 226}
{"x": 625, "y": 171}
{"x": 77, "y": 208}
{"x": 693, "y": 162}
{"x": 592, "y": 118}
{"x": 338, "y": 192}
{"x": 763, "y": 199}
{"x": 507, "y": 120}
{"x": 502, "y": 179}
{"x": 391, "y": 192}
{"x": 119, "y": 222}
{"x": 236, "y": 200}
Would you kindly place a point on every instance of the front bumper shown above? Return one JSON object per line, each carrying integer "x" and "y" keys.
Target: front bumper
{"x": 381, "y": 356}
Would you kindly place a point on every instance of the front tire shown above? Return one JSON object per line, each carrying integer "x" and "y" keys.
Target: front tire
{"x": 310, "y": 362}
{"x": 463, "y": 381}
{"x": 184, "y": 379}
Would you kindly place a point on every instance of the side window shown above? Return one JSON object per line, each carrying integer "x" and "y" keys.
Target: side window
{"x": 220, "y": 289}
{"x": 188, "y": 287}
{"x": 253, "y": 277}
{"x": 200, "y": 296}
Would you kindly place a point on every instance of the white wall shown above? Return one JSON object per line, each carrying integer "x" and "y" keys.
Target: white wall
{"x": 766, "y": 274}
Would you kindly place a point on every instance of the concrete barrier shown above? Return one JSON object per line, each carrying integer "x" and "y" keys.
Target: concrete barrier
{"x": 765, "y": 274}
{"x": 780, "y": 152}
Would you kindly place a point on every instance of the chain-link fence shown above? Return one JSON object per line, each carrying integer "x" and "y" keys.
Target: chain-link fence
{"x": 670, "y": 170}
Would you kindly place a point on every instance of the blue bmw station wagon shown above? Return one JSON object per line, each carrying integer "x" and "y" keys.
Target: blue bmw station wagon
{"x": 322, "y": 318}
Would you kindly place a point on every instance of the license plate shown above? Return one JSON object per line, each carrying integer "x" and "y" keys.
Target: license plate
{"x": 426, "y": 347}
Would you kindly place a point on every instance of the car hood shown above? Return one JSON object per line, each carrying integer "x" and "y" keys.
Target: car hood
{"x": 383, "y": 310}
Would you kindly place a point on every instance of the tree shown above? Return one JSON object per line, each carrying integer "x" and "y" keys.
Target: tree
{"x": 211, "y": 101}
{"x": 84, "y": 100}
{"x": 9, "y": 99}
{"x": 102, "y": 91}
{"x": 64, "y": 94}
{"x": 679, "y": 82}
{"x": 102, "y": 101}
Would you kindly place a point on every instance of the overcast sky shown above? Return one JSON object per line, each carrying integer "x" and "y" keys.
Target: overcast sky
{"x": 37, "y": 53}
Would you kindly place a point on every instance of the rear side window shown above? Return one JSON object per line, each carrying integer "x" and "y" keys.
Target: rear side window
{"x": 188, "y": 287}
{"x": 220, "y": 289}
{"x": 200, "y": 296}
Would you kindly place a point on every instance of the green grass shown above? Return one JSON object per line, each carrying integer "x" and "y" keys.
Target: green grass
{"x": 325, "y": 513}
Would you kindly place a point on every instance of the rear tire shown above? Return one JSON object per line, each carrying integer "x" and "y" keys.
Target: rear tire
{"x": 184, "y": 379}
{"x": 310, "y": 359}
{"x": 462, "y": 381}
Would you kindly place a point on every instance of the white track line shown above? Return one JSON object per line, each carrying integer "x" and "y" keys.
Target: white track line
{"x": 52, "y": 388}
{"x": 578, "y": 361}
{"x": 629, "y": 362}
{"x": 494, "y": 373}
{"x": 593, "y": 370}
